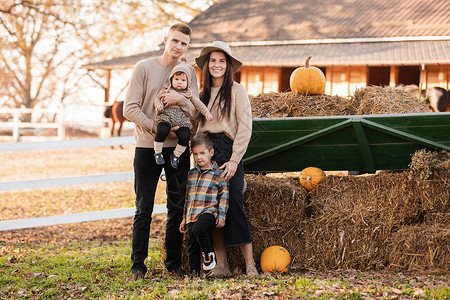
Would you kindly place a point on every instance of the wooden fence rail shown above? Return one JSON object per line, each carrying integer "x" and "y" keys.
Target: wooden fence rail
{"x": 66, "y": 181}
{"x": 17, "y": 124}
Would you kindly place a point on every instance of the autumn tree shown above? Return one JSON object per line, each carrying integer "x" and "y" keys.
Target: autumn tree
{"x": 44, "y": 43}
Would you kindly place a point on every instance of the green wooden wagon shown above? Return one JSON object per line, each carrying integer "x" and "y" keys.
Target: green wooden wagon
{"x": 365, "y": 143}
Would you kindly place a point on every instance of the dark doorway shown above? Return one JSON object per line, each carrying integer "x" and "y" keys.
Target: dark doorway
{"x": 379, "y": 76}
{"x": 409, "y": 75}
{"x": 285, "y": 77}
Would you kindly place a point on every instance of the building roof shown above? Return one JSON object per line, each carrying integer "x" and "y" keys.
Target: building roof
{"x": 334, "y": 32}
{"x": 266, "y": 20}
{"x": 341, "y": 54}
{"x": 333, "y": 54}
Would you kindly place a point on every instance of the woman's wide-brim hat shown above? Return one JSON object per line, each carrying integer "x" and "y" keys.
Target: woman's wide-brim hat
{"x": 217, "y": 46}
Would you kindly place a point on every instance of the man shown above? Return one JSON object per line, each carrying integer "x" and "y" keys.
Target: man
{"x": 147, "y": 79}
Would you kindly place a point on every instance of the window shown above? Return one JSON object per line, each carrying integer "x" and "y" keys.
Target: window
{"x": 259, "y": 80}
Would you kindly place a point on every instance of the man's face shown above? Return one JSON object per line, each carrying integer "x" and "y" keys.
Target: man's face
{"x": 176, "y": 43}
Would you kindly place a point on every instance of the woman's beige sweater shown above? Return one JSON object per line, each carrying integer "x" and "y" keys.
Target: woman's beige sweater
{"x": 238, "y": 127}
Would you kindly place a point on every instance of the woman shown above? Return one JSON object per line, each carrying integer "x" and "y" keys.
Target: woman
{"x": 230, "y": 130}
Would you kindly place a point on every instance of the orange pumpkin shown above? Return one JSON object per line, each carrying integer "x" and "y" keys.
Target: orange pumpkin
{"x": 275, "y": 259}
{"x": 310, "y": 177}
{"x": 307, "y": 80}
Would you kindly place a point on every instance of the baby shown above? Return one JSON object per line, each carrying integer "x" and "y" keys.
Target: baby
{"x": 174, "y": 116}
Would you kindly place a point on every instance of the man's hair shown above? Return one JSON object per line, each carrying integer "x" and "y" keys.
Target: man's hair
{"x": 202, "y": 139}
{"x": 183, "y": 28}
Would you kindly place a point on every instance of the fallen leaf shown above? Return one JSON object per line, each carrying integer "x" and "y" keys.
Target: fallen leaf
{"x": 419, "y": 292}
{"x": 30, "y": 275}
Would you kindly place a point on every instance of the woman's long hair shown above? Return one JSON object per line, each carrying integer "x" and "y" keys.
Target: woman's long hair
{"x": 224, "y": 93}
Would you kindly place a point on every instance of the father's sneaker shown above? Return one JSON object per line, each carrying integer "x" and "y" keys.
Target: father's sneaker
{"x": 136, "y": 275}
{"x": 209, "y": 261}
{"x": 176, "y": 273}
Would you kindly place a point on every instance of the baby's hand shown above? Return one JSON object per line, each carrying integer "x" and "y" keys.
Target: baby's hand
{"x": 209, "y": 116}
{"x": 220, "y": 223}
{"x": 159, "y": 108}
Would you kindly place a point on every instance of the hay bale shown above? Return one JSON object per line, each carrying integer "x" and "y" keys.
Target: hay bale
{"x": 437, "y": 219}
{"x": 364, "y": 101}
{"x": 420, "y": 248}
{"x": 430, "y": 170}
{"x": 280, "y": 105}
{"x": 275, "y": 208}
{"x": 354, "y": 222}
{"x": 353, "y": 218}
{"x": 387, "y": 100}
{"x": 424, "y": 162}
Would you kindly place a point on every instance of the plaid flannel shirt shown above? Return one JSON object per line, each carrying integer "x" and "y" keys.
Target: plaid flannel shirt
{"x": 205, "y": 192}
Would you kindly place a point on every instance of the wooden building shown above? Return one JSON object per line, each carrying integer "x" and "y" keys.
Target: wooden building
{"x": 355, "y": 42}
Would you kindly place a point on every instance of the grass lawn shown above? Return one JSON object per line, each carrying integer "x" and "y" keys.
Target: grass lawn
{"x": 92, "y": 260}
{"x": 92, "y": 269}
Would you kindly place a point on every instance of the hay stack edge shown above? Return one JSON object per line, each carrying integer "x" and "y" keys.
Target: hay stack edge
{"x": 390, "y": 220}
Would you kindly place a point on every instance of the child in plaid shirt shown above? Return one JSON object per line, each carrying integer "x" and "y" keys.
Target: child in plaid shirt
{"x": 206, "y": 204}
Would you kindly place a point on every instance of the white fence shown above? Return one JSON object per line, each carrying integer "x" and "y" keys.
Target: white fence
{"x": 16, "y": 125}
{"x": 65, "y": 181}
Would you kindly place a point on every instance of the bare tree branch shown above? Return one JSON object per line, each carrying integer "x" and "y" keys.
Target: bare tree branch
{"x": 45, "y": 42}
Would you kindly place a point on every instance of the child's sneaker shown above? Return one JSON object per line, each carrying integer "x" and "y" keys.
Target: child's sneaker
{"x": 209, "y": 261}
{"x": 174, "y": 160}
{"x": 159, "y": 158}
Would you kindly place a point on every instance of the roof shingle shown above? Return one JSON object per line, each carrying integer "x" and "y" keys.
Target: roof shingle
{"x": 256, "y": 20}
{"x": 334, "y": 32}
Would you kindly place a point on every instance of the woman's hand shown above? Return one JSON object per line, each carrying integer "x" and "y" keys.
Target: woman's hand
{"x": 229, "y": 168}
{"x": 171, "y": 98}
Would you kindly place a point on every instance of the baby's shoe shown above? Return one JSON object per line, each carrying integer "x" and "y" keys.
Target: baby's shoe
{"x": 209, "y": 260}
{"x": 174, "y": 160}
{"x": 159, "y": 158}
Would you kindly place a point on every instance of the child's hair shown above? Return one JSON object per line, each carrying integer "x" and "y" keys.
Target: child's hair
{"x": 179, "y": 73}
{"x": 202, "y": 139}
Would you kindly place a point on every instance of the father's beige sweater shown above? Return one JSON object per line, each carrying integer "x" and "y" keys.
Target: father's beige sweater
{"x": 238, "y": 127}
{"x": 147, "y": 79}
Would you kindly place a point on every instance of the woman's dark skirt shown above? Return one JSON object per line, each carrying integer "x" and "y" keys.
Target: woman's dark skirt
{"x": 236, "y": 228}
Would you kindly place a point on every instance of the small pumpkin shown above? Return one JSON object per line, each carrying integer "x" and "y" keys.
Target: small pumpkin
{"x": 307, "y": 80}
{"x": 275, "y": 259}
{"x": 310, "y": 177}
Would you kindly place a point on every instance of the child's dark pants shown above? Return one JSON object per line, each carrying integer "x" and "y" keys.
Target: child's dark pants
{"x": 199, "y": 240}
{"x": 163, "y": 130}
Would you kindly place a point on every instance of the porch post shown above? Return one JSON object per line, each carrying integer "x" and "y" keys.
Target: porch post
{"x": 393, "y": 79}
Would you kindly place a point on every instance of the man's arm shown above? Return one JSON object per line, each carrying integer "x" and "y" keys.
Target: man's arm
{"x": 132, "y": 104}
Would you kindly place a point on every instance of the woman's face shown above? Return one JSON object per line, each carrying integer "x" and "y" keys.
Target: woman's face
{"x": 217, "y": 64}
